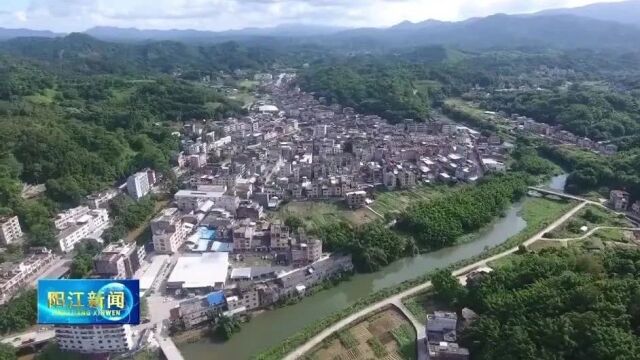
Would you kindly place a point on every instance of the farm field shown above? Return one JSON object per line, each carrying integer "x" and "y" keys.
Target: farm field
{"x": 385, "y": 335}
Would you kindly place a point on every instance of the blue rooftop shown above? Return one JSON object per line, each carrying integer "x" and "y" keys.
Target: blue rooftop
{"x": 215, "y": 298}
{"x": 206, "y": 233}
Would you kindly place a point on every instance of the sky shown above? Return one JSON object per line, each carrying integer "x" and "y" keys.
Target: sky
{"x": 79, "y": 15}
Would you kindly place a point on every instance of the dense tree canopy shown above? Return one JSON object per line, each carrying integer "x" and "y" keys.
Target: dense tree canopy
{"x": 599, "y": 115}
{"x": 591, "y": 172}
{"x": 372, "y": 245}
{"x": 19, "y": 313}
{"x": 558, "y": 305}
{"x": 370, "y": 87}
{"x": 439, "y": 222}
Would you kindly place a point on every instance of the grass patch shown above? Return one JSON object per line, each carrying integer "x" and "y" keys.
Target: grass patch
{"x": 405, "y": 337}
{"x": 592, "y": 216}
{"x": 317, "y": 214}
{"x": 387, "y": 202}
{"x": 347, "y": 339}
{"x": 378, "y": 349}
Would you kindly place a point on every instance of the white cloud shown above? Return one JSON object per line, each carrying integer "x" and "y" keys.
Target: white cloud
{"x": 77, "y": 15}
{"x": 21, "y": 16}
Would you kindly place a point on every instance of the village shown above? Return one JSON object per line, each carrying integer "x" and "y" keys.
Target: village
{"x": 217, "y": 249}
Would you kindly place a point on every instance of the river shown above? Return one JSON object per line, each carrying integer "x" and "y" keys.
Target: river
{"x": 271, "y": 327}
{"x": 558, "y": 182}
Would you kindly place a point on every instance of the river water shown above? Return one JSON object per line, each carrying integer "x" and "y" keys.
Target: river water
{"x": 271, "y": 327}
{"x": 558, "y": 182}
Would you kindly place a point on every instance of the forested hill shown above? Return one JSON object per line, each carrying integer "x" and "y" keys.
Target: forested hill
{"x": 78, "y": 134}
{"x": 82, "y": 53}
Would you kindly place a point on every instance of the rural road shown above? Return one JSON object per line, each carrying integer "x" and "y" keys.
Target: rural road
{"x": 395, "y": 299}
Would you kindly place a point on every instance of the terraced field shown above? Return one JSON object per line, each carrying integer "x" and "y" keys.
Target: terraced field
{"x": 385, "y": 335}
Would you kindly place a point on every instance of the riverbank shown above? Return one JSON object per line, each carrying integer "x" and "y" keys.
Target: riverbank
{"x": 469, "y": 265}
{"x": 537, "y": 212}
{"x": 259, "y": 334}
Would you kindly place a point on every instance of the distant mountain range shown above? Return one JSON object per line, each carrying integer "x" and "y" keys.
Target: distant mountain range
{"x": 625, "y": 12}
{"x": 601, "y": 26}
{"x": 499, "y": 31}
{"x": 6, "y": 34}
{"x": 285, "y": 30}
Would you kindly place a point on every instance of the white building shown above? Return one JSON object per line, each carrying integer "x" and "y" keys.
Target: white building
{"x": 14, "y": 276}
{"x": 138, "y": 185}
{"x": 101, "y": 200}
{"x": 192, "y": 200}
{"x": 79, "y": 226}
{"x": 168, "y": 231}
{"x": 198, "y": 272}
{"x": 95, "y": 339}
{"x": 10, "y": 230}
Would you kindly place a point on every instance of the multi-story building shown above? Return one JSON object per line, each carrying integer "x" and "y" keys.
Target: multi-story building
{"x": 100, "y": 200}
{"x": 195, "y": 311}
{"x": 306, "y": 252}
{"x": 192, "y": 200}
{"x": 14, "y": 277}
{"x": 249, "y": 210}
{"x": 168, "y": 231}
{"x": 10, "y": 229}
{"x": 356, "y": 199}
{"x": 619, "y": 200}
{"x": 279, "y": 236}
{"x": 247, "y": 298}
{"x": 138, "y": 185}
{"x": 243, "y": 237}
{"x": 95, "y": 339}
{"x": 119, "y": 260}
{"x": 441, "y": 337}
{"x": 79, "y": 225}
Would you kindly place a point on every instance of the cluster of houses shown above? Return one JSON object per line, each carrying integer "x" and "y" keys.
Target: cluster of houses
{"x": 556, "y": 134}
{"x": 441, "y": 337}
{"x": 620, "y": 200}
{"x": 297, "y": 148}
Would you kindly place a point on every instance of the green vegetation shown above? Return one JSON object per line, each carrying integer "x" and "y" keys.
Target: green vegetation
{"x": 447, "y": 288}
{"x": 372, "y": 245}
{"x": 438, "y": 223}
{"x": 227, "y": 326}
{"x": 369, "y": 87}
{"x": 585, "y": 111}
{"x": 7, "y": 352}
{"x": 592, "y": 216}
{"x": 19, "y": 313}
{"x": 378, "y": 349}
{"x": 88, "y": 55}
{"x": 90, "y": 133}
{"x": 405, "y": 336}
{"x": 460, "y": 111}
{"x": 392, "y": 203}
{"x": 590, "y": 171}
{"x": 527, "y": 159}
{"x": 346, "y": 339}
{"x": 562, "y": 304}
{"x": 82, "y": 263}
{"x": 540, "y": 214}
{"x": 128, "y": 214}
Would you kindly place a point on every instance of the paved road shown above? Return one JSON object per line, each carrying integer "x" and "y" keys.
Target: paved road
{"x": 168, "y": 348}
{"x": 38, "y": 336}
{"x": 395, "y": 299}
